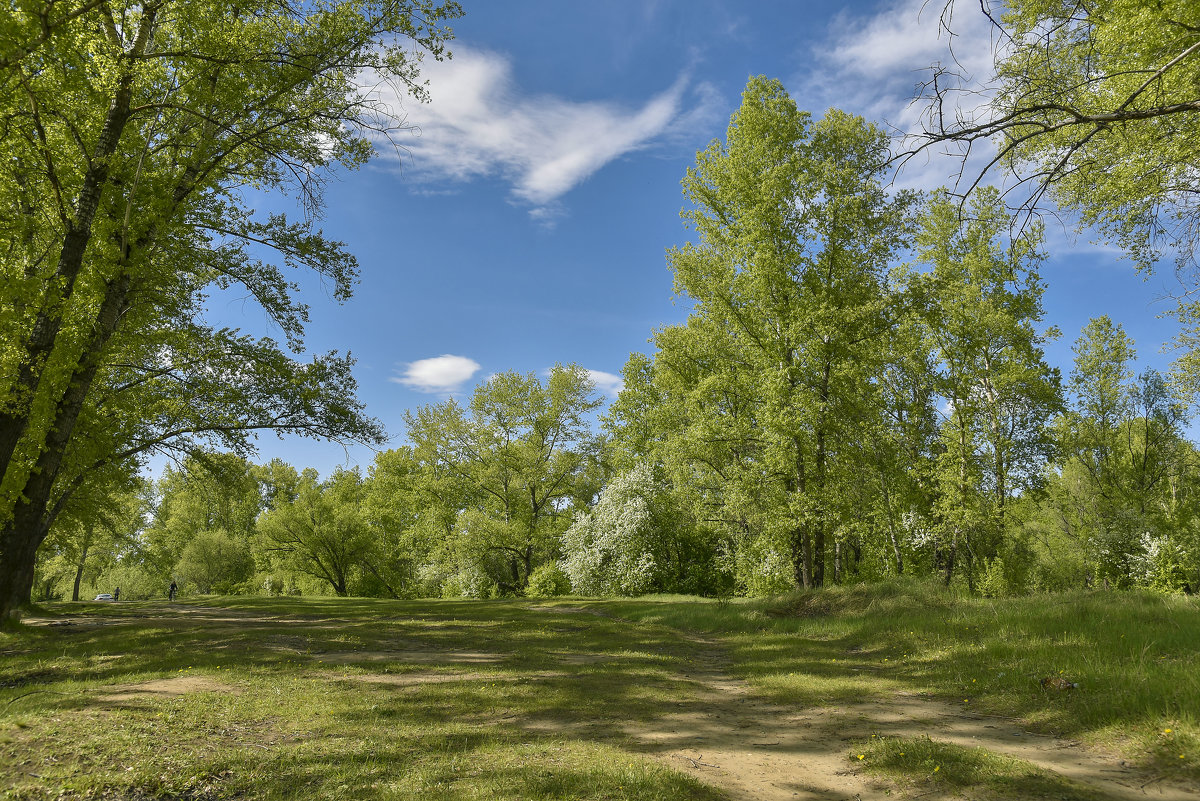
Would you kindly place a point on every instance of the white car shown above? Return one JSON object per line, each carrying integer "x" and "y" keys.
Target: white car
{"x": 104, "y": 596}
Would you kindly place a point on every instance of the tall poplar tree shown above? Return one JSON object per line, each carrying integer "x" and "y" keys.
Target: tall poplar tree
{"x": 775, "y": 372}
{"x": 982, "y": 297}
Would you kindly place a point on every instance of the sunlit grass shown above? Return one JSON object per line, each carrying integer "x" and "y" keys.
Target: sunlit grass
{"x": 929, "y": 767}
{"x": 1136, "y": 656}
{"x": 357, "y": 698}
{"x": 313, "y": 698}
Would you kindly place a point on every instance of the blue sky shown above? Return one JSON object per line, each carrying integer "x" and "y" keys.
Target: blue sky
{"x": 525, "y": 219}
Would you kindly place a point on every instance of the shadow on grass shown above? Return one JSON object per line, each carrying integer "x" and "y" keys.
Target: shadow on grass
{"x": 551, "y": 675}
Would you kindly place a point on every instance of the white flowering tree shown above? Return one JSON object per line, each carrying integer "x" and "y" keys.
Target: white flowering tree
{"x": 623, "y": 546}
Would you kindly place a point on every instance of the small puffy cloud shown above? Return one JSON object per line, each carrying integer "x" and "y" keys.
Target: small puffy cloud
{"x": 606, "y": 383}
{"x": 441, "y": 374}
{"x": 479, "y": 124}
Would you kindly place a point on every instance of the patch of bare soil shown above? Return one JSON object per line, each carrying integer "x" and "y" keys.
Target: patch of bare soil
{"x": 754, "y": 749}
{"x": 423, "y": 677}
{"x": 425, "y": 656}
{"x": 166, "y": 688}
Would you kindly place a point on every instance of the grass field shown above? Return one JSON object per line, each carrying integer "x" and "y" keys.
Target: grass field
{"x": 350, "y": 698}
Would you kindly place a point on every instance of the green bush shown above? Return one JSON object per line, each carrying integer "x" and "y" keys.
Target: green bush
{"x": 547, "y": 581}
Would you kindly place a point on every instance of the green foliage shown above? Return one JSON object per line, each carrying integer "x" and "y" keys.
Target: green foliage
{"x": 981, "y": 302}
{"x": 322, "y": 531}
{"x": 102, "y": 523}
{"x": 133, "y": 131}
{"x": 499, "y": 476}
{"x": 212, "y": 561}
{"x": 1121, "y": 507}
{"x": 470, "y": 582}
{"x": 1096, "y": 106}
{"x": 763, "y": 401}
{"x": 1110, "y": 87}
{"x": 1098, "y": 103}
{"x": 137, "y": 583}
{"x": 548, "y": 581}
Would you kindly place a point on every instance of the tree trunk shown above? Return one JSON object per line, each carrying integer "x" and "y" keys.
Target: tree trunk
{"x": 23, "y": 534}
{"x": 891, "y": 521}
{"x": 18, "y": 554}
{"x": 79, "y": 573}
{"x": 950, "y": 554}
{"x": 818, "y": 557}
{"x": 802, "y": 558}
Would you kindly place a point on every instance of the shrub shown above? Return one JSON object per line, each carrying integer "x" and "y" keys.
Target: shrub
{"x": 547, "y": 581}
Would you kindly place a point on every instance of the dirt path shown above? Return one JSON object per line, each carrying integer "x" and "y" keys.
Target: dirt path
{"x": 757, "y": 750}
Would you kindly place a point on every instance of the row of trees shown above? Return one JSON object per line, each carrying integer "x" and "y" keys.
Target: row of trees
{"x": 819, "y": 415}
{"x": 477, "y": 503}
{"x": 513, "y": 492}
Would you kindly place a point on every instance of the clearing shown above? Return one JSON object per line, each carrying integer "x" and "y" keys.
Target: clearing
{"x": 258, "y": 698}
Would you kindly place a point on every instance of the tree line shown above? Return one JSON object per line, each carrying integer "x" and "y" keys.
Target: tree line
{"x": 861, "y": 388}
{"x": 963, "y": 456}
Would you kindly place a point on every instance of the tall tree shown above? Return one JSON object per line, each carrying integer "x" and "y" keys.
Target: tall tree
{"x": 129, "y": 130}
{"x": 322, "y": 532}
{"x": 1096, "y": 106}
{"x": 411, "y": 511}
{"x": 775, "y": 372}
{"x": 1124, "y": 493}
{"x": 983, "y": 302}
{"x": 209, "y": 491}
{"x": 521, "y": 451}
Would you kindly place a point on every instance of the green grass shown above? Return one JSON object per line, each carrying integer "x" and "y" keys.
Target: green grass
{"x": 928, "y": 767}
{"x": 352, "y": 698}
{"x": 1136, "y": 657}
{"x": 289, "y": 714}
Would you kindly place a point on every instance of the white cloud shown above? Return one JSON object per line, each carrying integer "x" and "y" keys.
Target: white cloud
{"x": 875, "y": 66}
{"x": 905, "y": 38}
{"x": 441, "y": 374}
{"x": 480, "y": 123}
{"x": 606, "y": 383}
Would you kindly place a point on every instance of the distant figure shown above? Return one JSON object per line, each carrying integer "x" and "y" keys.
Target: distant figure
{"x": 117, "y": 594}
{"x": 171, "y": 592}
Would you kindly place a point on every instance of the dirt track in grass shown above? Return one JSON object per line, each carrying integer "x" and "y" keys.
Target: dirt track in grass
{"x": 755, "y": 749}
{"x": 720, "y": 731}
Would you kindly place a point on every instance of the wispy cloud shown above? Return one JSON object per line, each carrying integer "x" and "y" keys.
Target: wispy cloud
{"x": 441, "y": 374}
{"x": 481, "y": 123}
{"x": 875, "y": 66}
{"x": 879, "y": 61}
{"x": 606, "y": 383}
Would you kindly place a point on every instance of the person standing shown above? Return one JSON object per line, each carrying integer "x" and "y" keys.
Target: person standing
{"x": 171, "y": 592}
{"x": 117, "y": 594}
